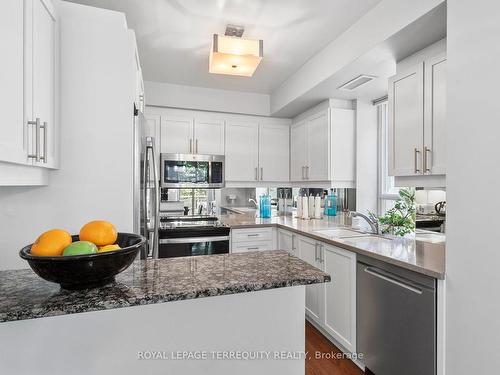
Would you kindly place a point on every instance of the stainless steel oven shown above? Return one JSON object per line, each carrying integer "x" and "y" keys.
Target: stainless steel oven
{"x": 192, "y": 171}
{"x": 192, "y": 236}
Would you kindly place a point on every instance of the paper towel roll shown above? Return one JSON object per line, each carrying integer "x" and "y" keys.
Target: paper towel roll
{"x": 305, "y": 208}
{"x": 299, "y": 206}
{"x": 317, "y": 207}
{"x": 311, "y": 206}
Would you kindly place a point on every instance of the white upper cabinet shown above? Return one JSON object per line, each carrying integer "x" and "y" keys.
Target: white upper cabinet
{"x": 208, "y": 136}
{"x": 43, "y": 79}
{"x": 406, "y": 119}
{"x": 417, "y": 120}
{"x": 274, "y": 154}
{"x": 12, "y": 141}
{"x": 192, "y": 135}
{"x": 298, "y": 157}
{"x": 242, "y": 151}
{"x": 29, "y": 94}
{"x": 317, "y": 135}
{"x": 323, "y": 147}
{"x": 177, "y": 135}
{"x": 435, "y": 116}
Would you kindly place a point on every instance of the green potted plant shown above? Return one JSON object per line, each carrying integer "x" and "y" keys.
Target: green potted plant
{"x": 399, "y": 220}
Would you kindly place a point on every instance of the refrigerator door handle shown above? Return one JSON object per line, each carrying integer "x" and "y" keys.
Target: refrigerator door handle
{"x": 156, "y": 198}
{"x": 145, "y": 218}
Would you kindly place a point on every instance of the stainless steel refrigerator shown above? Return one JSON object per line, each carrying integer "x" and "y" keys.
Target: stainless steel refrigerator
{"x": 146, "y": 186}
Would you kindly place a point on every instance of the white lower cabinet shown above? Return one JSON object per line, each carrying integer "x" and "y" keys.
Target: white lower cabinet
{"x": 287, "y": 241}
{"x": 308, "y": 250}
{"x": 339, "y": 295}
{"x": 331, "y": 305}
{"x": 252, "y": 239}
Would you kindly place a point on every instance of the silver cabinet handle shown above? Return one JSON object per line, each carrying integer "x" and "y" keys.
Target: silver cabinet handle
{"x": 293, "y": 244}
{"x": 426, "y": 160}
{"x": 196, "y": 146}
{"x": 261, "y": 173}
{"x": 321, "y": 254}
{"x": 303, "y": 174}
{"x": 44, "y": 157}
{"x": 416, "y": 160}
{"x": 256, "y": 174}
{"x": 316, "y": 252}
{"x": 190, "y": 145}
{"x": 252, "y": 248}
{"x": 307, "y": 172}
{"x": 253, "y": 235}
{"x": 36, "y": 155}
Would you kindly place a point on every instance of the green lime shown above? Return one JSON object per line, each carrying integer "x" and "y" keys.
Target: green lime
{"x": 80, "y": 248}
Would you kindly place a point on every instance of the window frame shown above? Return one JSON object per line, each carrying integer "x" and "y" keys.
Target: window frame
{"x": 386, "y": 189}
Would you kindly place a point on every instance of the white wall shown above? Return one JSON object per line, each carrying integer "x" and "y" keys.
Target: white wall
{"x": 95, "y": 178}
{"x": 473, "y": 185}
{"x": 366, "y": 157}
{"x": 201, "y": 98}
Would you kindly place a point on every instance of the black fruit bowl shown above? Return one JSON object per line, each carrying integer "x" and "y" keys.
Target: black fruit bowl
{"x": 86, "y": 271}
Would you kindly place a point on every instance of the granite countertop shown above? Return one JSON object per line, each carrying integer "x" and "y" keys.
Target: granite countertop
{"x": 24, "y": 295}
{"x": 425, "y": 254}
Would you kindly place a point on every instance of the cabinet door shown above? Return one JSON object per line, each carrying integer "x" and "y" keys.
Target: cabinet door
{"x": 209, "y": 137}
{"x": 286, "y": 241}
{"x": 242, "y": 145}
{"x": 274, "y": 155}
{"x": 318, "y": 155}
{"x": 343, "y": 145}
{"x": 12, "y": 146}
{"x": 298, "y": 151}
{"x": 339, "y": 314}
{"x": 435, "y": 116}
{"x": 309, "y": 253}
{"x": 406, "y": 122}
{"x": 44, "y": 68}
{"x": 177, "y": 135}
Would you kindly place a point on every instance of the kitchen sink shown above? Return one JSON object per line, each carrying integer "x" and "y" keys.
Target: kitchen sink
{"x": 339, "y": 233}
{"x": 367, "y": 238}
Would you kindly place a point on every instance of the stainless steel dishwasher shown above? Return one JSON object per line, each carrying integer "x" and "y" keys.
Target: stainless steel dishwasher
{"x": 396, "y": 319}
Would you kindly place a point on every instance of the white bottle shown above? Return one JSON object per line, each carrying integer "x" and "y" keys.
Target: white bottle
{"x": 305, "y": 208}
{"x": 317, "y": 207}
{"x": 299, "y": 206}
{"x": 311, "y": 206}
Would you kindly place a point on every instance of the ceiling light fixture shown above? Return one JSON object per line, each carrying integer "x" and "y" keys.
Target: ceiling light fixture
{"x": 230, "y": 54}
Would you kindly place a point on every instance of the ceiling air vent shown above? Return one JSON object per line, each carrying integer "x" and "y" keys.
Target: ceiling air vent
{"x": 356, "y": 82}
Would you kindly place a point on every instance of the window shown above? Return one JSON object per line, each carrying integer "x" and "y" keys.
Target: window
{"x": 387, "y": 193}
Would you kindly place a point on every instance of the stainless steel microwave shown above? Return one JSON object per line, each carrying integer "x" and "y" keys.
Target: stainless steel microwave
{"x": 192, "y": 171}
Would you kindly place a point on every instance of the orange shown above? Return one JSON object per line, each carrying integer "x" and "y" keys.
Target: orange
{"x": 51, "y": 243}
{"x": 100, "y": 232}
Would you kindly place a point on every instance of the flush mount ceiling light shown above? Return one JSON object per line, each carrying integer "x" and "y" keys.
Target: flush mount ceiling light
{"x": 230, "y": 54}
{"x": 356, "y": 82}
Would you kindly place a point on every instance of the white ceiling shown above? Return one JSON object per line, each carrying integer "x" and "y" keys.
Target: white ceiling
{"x": 174, "y": 36}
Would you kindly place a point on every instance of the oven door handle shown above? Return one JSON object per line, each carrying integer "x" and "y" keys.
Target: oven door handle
{"x": 193, "y": 239}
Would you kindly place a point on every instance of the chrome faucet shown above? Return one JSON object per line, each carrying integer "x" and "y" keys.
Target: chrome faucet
{"x": 250, "y": 200}
{"x": 373, "y": 224}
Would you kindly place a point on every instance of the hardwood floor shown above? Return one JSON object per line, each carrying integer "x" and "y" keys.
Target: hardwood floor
{"x": 317, "y": 343}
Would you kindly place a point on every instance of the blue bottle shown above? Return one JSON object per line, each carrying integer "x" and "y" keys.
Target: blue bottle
{"x": 331, "y": 204}
{"x": 265, "y": 206}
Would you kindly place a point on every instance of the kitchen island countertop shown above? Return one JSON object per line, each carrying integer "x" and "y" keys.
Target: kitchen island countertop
{"x": 24, "y": 295}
